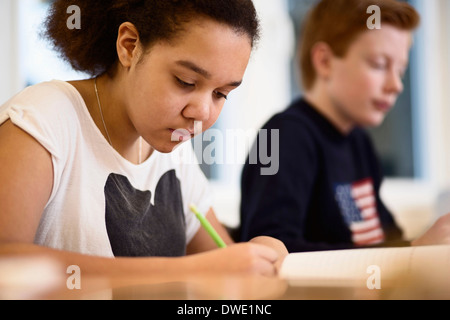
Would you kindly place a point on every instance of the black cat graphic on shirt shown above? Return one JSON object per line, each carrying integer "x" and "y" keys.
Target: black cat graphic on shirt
{"x": 136, "y": 227}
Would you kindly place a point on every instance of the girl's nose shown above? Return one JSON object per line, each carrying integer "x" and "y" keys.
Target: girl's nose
{"x": 198, "y": 108}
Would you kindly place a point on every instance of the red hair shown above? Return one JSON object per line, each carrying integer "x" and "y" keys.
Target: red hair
{"x": 339, "y": 22}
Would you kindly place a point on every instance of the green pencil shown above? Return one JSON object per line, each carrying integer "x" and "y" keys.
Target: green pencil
{"x": 208, "y": 227}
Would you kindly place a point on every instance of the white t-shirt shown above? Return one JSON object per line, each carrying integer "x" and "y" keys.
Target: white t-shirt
{"x": 102, "y": 204}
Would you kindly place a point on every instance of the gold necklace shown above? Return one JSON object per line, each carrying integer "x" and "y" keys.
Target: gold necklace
{"x": 104, "y": 123}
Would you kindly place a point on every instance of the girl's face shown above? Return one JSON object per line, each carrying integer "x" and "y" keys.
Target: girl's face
{"x": 365, "y": 84}
{"x": 179, "y": 87}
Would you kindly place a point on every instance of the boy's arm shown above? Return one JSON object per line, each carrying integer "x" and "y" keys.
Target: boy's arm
{"x": 438, "y": 234}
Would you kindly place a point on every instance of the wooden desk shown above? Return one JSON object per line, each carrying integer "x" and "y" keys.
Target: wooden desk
{"x": 180, "y": 288}
{"x": 238, "y": 288}
{"x": 28, "y": 282}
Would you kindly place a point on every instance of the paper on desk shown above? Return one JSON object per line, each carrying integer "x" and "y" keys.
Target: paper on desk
{"x": 354, "y": 267}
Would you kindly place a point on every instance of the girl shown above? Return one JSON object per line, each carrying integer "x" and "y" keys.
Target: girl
{"x": 89, "y": 169}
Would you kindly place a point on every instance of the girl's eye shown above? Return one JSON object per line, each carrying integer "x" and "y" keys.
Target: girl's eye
{"x": 220, "y": 95}
{"x": 184, "y": 84}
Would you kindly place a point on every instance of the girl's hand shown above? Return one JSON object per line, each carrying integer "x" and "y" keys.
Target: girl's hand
{"x": 275, "y": 244}
{"x": 242, "y": 258}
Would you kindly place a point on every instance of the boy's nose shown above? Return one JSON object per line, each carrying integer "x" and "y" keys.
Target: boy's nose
{"x": 394, "y": 83}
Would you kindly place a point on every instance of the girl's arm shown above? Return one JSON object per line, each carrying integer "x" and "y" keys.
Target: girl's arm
{"x": 26, "y": 182}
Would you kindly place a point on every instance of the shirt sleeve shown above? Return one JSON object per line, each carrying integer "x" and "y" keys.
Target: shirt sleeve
{"x": 42, "y": 112}
{"x": 26, "y": 114}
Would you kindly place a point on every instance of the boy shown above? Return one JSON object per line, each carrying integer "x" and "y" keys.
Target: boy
{"x": 326, "y": 194}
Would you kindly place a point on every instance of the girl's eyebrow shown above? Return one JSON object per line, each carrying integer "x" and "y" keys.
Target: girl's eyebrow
{"x": 204, "y": 73}
{"x": 192, "y": 66}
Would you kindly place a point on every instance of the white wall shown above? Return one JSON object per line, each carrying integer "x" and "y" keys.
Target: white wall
{"x": 9, "y": 63}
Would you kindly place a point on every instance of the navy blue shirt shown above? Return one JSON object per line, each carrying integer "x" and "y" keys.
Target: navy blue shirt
{"x": 325, "y": 195}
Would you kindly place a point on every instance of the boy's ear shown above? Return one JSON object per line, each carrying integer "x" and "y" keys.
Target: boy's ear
{"x": 321, "y": 57}
{"x": 127, "y": 44}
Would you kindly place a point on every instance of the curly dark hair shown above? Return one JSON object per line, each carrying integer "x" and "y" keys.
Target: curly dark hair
{"x": 92, "y": 49}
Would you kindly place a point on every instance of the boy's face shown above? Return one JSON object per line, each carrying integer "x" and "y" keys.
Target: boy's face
{"x": 365, "y": 84}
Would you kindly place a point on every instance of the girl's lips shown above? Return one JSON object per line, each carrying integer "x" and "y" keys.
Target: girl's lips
{"x": 181, "y": 135}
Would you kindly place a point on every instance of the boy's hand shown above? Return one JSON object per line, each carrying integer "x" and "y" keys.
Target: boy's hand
{"x": 438, "y": 234}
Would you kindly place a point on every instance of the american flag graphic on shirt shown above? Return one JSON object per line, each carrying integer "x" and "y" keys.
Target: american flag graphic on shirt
{"x": 358, "y": 207}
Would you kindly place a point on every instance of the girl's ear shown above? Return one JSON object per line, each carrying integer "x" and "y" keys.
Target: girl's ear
{"x": 321, "y": 57}
{"x": 128, "y": 44}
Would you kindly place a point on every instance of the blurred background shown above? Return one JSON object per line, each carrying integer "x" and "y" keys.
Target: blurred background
{"x": 413, "y": 143}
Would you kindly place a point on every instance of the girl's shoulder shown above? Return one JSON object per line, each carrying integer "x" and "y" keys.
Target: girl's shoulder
{"x": 53, "y": 100}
